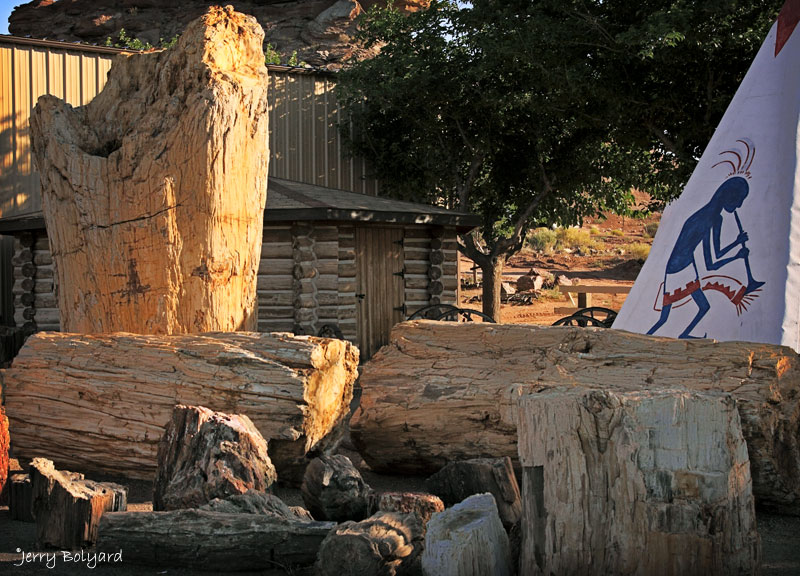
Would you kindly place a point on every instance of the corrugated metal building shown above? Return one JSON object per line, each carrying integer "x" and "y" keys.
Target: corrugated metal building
{"x": 334, "y": 253}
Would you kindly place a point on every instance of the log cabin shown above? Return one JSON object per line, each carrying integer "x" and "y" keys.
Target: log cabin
{"x": 337, "y": 257}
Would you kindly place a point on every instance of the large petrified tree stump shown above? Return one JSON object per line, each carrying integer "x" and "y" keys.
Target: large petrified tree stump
{"x": 639, "y": 483}
{"x": 109, "y": 396}
{"x": 212, "y": 541}
{"x": 441, "y": 392}
{"x": 67, "y": 508}
{"x": 205, "y": 455}
{"x": 154, "y": 192}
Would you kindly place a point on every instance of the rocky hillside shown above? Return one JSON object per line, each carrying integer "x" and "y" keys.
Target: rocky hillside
{"x": 320, "y": 31}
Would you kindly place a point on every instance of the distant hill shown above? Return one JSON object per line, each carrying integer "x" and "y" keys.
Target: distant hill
{"x": 320, "y": 31}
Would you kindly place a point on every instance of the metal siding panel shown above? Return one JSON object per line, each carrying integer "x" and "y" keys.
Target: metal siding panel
{"x": 88, "y": 78}
{"x": 22, "y": 144}
{"x": 55, "y": 74}
{"x": 72, "y": 79}
{"x": 7, "y": 168}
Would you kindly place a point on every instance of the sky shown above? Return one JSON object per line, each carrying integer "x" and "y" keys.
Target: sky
{"x": 6, "y": 6}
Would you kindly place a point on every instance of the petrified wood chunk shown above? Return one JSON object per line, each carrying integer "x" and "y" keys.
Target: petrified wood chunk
{"x": 423, "y": 505}
{"x": 20, "y": 498}
{"x": 467, "y": 540}
{"x": 650, "y": 482}
{"x": 212, "y": 541}
{"x": 458, "y": 480}
{"x": 253, "y": 502}
{"x": 205, "y": 455}
{"x": 385, "y": 544}
{"x": 333, "y": 489}
{"x": 442, "y": 392}
{"x": 154, "y": 192}
{"x": 67, "y": 508}
{"x": 108, "y": 397}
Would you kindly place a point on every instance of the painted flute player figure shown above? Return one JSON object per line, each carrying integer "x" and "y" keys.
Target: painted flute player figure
{"x": 704, "y": 228}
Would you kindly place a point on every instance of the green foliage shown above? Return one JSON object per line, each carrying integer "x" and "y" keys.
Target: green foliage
{"x": 543, "y": 240}
{"x": 540, "y": 112}
{"x": 130, "y": 43}
{"x": 650, "y": 230}
{"x": 271, "y": 56}
{"x": 293, "y": 59}
{"x": 617, "y": 232}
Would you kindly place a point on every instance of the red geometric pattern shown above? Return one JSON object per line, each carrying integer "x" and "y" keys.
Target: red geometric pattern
{"x": 787, "y": 22}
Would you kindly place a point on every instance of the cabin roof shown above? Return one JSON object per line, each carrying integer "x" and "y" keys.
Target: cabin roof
{"x": 288, "y": 201}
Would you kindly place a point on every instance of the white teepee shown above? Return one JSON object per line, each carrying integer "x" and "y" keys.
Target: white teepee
{"x": 725, "y": 262}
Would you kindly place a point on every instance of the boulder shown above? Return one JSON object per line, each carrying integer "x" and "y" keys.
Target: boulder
{"x": 205, "y": 455}
{"x": 254, "y": 502}
{"x": 467, "y": 540}
{"x": 458, "y": 480}
{"x": 386, "y": 544}
{"x": 423, "y": 505}
{"x": 333, "y": 489}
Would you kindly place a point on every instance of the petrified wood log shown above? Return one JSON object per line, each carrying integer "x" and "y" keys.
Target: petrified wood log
{"x": 333, "y": 489}
{"x": 467, "y": 540}
{"x": 650, "y": 482}
{"x": 108, "y": 397}
{"x": 253, "y": 502}
{"x": 67, "y": 508}
{"x": 205, "y": 455}
{"x": 154, "y": 192}
{"x": 386, "y": 544}
{"x": 212, "y": 541}
{"x": 441, "y": 392}
{"x": 459, "y": 480}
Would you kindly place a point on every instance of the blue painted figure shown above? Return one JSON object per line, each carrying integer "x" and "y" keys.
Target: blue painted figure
{"x": 703, "y": 227}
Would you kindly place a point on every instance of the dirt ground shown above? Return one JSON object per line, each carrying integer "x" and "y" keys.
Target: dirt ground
{"x": 779, "y": 534}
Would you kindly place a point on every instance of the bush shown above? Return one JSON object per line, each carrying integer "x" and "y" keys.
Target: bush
{"x": 577, "y": 239}
{"x": 637, "y": 250}
{"x": 617, "y": 232}
{"x": 650, "y": 230}
{"x": 542, "y": 240}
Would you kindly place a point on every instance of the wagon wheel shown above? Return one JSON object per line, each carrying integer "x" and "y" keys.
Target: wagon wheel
{"x": 605, "y": 315}
{"x": 330, "y": 331}
{"x": 465, "y": 315}
{"x": 432, "y": 312}
{"x": 579, "y": 320}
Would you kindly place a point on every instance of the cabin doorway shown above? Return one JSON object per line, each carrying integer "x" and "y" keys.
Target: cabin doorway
{"x": 379, "y": 285}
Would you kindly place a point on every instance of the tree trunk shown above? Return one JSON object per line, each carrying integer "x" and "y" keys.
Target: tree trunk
{"x": 648, "y": 482}
{"x": 108, "y": 397}
{"x": 211, "y": 541}
{"x": 154, "y": 192}
{"x": 441, "y": 392}
{"x": 492, "y": 268}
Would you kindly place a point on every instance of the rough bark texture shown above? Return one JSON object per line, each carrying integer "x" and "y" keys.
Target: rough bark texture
{"x": 154, "y": 192}
{"x": 333, "y": 489}
{"x": 108, "y": 397}
{"x": 68, "y": 508}
{"x": 458, "y": 480}
{"x": 442, "y": 392}
{"x": 650, "y": 482}
{"x": 211, "y": 541}
{"x": 253, "y": 502}
{"x": 386, "y": 544}
{"x": 467, "y": 540}
{"x": 423, "y": 505}
{"x": 205, "y": 455}
{"x": 20, "y": 498}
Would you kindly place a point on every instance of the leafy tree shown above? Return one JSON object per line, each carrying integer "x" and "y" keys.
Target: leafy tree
{"x": 539, "y": 112}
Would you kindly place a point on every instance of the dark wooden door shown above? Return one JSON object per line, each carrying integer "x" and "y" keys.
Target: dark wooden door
{"x": 379, "y": 285}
